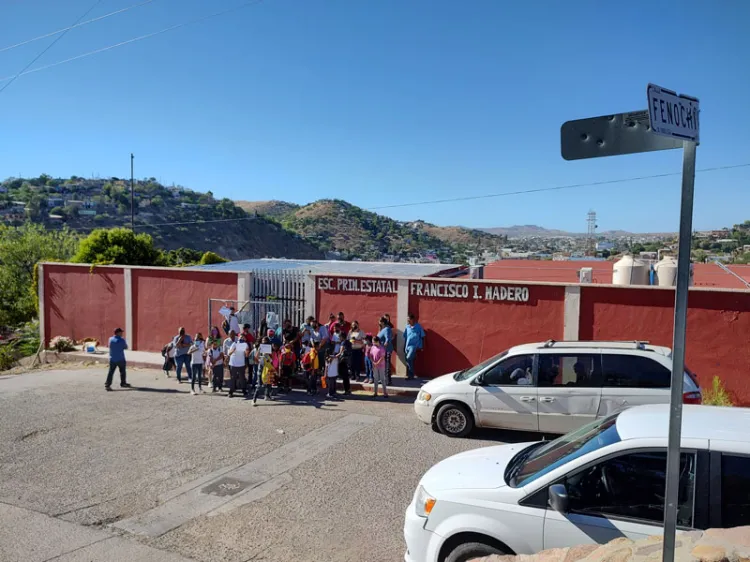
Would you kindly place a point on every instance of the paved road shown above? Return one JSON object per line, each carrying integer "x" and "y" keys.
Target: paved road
{"x": 207, "y": 477}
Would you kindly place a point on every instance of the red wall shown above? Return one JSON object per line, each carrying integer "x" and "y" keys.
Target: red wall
{"x": 164, "y": 300}
{"x": 463, "y": 332}
{"x": 366, "y": 308}
{"x": 82, "y": 304}
{"x": 717, "y": 329}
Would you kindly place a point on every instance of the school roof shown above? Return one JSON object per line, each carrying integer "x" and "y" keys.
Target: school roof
{"x": 338, "y": 267}
{"x": 704, "y": 274}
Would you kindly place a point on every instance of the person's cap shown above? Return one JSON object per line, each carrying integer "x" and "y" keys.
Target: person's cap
{"x": 118, "y": 330}
{"x": 271, "y": 332}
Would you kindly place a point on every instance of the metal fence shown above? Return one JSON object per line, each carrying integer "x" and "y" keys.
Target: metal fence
{"x": 280, "y": 291}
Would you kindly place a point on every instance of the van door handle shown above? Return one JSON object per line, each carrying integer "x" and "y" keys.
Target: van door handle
{"x": 527, "y": 398}
{"x": 547, "y": 399}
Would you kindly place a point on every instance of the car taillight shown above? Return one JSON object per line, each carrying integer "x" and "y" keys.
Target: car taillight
{"x": 692, "y": 398}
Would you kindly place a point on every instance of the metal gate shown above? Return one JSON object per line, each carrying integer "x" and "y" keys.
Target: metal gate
{"x": 252, "y": 312}
{"x": 280, "y": 291}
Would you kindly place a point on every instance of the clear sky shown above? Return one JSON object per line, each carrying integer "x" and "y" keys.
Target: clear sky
{"x": 382, "y": 102}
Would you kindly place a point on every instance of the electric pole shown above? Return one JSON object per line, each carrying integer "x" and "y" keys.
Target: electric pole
{"x": 132, "y": 194}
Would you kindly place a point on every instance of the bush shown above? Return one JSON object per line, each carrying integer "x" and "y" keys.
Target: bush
{"x": 210, "y": 257}
{"x": 62, "y": 344}
{"x": 7, "y": 356}
{"x": 28, "y": 340}
{"x": 717, "y": 395}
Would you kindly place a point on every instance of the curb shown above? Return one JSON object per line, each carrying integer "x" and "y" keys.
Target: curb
{"x": 52, "y": 357}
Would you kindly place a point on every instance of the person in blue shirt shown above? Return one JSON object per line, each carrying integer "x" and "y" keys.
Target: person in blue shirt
{"x": 385, "y": 335}
{"x": 117, "y": 347}
{"x": 414, "y": 341}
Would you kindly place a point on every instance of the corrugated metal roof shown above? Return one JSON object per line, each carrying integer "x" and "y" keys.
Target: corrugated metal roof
{"x": 335, "y": 267}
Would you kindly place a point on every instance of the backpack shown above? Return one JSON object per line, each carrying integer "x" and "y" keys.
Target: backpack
{"x": 288, "y": 359}
{"x": 166, "y": 349}
{"x": 306, "y": 360}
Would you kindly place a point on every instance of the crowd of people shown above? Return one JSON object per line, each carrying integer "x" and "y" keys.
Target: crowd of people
{"x": 265, "y": 362}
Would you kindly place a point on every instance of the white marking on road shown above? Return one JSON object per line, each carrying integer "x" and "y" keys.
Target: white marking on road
{"x": 260, "y": 476}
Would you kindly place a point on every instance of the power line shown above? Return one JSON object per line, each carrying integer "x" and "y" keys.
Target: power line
{"x": 36, "y": 58}
{"x": 65, "y": 29}
{"x": 554, "y": 188}
{"x": 134, "y": 39}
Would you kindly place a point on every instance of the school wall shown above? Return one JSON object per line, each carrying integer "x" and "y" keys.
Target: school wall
{"x": 718, "y": 326}
{"x": 82, "y": 303}
{"x": 365, "y": 302}
{"x": 464, "y": 331}
{"x": 166, "y": 299}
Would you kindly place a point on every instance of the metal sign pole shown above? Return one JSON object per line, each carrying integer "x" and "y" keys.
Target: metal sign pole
{"x": 678, "y": 350}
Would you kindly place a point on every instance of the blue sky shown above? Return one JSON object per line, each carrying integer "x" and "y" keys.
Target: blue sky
{"x": 382, "y": 102}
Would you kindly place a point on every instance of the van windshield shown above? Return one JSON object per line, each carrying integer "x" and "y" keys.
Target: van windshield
{"x": 548, "y": 457}
{"x": 471, "y": 371}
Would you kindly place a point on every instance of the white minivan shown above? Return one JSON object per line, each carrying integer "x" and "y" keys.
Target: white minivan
{"x": 600, "y": 482}
{"x": 551, "y": 387}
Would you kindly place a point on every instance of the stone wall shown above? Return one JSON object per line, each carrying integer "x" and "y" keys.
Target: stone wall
{"x": 714, "y": 545}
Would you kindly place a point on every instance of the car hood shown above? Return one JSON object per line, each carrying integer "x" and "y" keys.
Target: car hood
{"x": 479, "y": 469}
{"x": 441, "y": 383}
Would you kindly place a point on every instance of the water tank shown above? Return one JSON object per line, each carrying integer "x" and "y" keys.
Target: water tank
{"x": 629, "y": 271}
{"x": 586, "y": 275}
{"x": 665, "y": 272}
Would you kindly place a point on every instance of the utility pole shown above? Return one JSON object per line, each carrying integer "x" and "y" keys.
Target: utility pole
{"x": 132, "y": 194}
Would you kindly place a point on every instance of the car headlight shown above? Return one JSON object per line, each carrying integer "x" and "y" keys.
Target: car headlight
{"x": 424, "y": 502}
{"x": 424, "y": 396}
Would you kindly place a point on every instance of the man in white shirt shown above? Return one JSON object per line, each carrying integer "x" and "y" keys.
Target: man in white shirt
{"x": 238, "y": 353}
{"x": 230, "y": 315}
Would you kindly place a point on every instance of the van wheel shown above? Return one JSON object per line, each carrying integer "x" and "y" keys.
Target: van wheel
{"x": 455, "y": 420}
{"x": 470, "y": 551}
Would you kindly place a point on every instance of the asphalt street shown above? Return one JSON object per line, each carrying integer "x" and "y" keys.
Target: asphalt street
{"x": 207, "y": 477}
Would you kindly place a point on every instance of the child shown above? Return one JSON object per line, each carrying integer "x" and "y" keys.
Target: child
{"x": 267, "y": 379}
{"x": 197, "y": 350}
{"x": 332, "y": 372}
{"x": 377, "y": 354}
{"x": 216, "y": 363}
{"x": 256, "y": 364}
{"x": 288, "y": 362}
{"x": 311, "y": 364}
{"x": 168, "y": 352}
{"x": 368, "y": 361}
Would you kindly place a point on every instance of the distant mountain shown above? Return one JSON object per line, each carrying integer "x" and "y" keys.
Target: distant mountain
{"x": 530, "y": 230}
{"x": 527, "y": 230}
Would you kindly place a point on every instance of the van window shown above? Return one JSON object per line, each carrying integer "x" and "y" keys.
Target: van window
{"x": 513, "y": 371}
{"x": 570, "y": 369}
{"x": 633, "y": 371}
{"x": 632, "y": 486}
{"x": 735, "y": 491}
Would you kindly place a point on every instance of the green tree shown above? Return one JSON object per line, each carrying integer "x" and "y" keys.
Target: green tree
{"x": 118, "y": 246}
{"x": 210, "y": 257}
{"x": 181, "y": 257}
{"x": 157, "y": 201}
{"x": 20, "y": 250}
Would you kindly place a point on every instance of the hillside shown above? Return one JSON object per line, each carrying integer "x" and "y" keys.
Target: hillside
{"x": 168, "y": 214}
{"x": 274, "y": 209}
{"x": 340, "y": 227}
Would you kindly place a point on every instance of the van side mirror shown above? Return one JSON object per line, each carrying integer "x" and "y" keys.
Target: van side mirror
{"x": 558, "y": 498}
{"x": 479, "y": 381}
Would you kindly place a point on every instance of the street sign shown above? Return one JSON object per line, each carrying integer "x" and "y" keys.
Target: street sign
{"x": 611, "y": 135}
{"x": 673, "y": 115}
{"x": 673, "y": 123}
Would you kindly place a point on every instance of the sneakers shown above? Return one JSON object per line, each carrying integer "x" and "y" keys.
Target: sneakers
{"x": 193, "y": 392}
{"x": 124, "y": 385}
{"x": 108, "y": 388}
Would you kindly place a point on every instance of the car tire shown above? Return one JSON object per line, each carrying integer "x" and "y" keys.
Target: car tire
{"x": 470, "y": 551}
{"x": 454, "y": 420}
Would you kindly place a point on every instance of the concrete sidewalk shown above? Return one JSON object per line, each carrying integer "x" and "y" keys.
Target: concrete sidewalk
{"x": 151, "y": 360}
{"x": 30, "y": 536}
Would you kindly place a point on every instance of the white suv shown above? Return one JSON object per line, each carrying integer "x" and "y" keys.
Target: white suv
{"x": 551, "y": 387}
{"x": 603, "y": 481}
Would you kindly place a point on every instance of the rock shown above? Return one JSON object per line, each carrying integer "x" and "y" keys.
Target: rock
{"x": 709, "y": 553}
{"x": 579, "y": 552}
{"x": 739, "y": 536}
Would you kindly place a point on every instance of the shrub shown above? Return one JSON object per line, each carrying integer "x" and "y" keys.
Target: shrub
{"x": 61, "y": 344}
{"x": 7, "y": 356}
{"x": 717, "y": 395}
